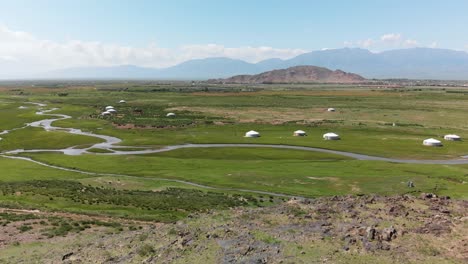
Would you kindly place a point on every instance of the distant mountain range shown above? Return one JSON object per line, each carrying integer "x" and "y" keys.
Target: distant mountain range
{"x": 296, "y": 74}
{"x": 414, "y": 63}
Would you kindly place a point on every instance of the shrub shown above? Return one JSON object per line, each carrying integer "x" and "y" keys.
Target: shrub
{"x": 145, "y": 250}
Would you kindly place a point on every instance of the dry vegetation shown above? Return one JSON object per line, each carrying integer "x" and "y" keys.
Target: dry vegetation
{"x": 349, "y": 229}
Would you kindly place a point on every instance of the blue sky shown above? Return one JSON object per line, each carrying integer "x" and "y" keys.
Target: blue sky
{"x": 168, "y": 32}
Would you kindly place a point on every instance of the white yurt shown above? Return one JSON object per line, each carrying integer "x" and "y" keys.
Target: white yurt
{"x": 299, "y": 133}
{"x": 252, "y": 133}
{"x": 331, "y": 109}
{"x": 331, "y": 136}
{"x": 122, "y": 102}
{"x": 171, "y": 115}
{"x": 112, "y": 111}
{"x": 109, "y": 107}
{"x": 106, "y": 113}
{"x": 432, "y": 142}
{"x": 452, "y": 137}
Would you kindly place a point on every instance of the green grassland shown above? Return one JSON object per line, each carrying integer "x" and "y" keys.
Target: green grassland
{"x": 165, "y": 205}
{"x": 28, "y": 185}
{"x": 364, "y": 119}
{"x": 38, "y": 138}
{"x": 20, "y": 170}
{"x": 378, "y": 141}
{"x": 106, "y": 206}
{"x": 11, "y": 116}
{"x": 299, "y": 174}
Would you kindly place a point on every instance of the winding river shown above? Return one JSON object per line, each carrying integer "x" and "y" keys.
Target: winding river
{"x": 110, "y": 145}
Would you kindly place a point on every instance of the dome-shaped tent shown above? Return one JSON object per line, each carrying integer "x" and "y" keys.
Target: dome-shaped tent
{"x": 300, "y": 133}
{"x": 109, "y": 107}
{"x": 171, "y": 115}
{"x": 331, "y": 109}
{"x": 452, "y": 137}
{"x": 432, "y": 142}
{"x": 252, "y": 133}
{"x": 331, "y": 136}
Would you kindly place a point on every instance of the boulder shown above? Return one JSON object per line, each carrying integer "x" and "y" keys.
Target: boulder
{"x": 389, "y": 233}
{"x": 370, "y": 233}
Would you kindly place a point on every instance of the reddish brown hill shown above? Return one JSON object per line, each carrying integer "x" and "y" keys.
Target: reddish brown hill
{"x": 298, "y": 74}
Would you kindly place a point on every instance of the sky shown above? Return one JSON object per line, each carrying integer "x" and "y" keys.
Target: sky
{"x": 42, "y": 35}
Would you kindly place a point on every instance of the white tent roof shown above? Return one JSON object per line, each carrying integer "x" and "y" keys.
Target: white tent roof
{"x": 299, "y": 132}
{"x": 170, "y": 114}
{"x": 331, "y": 109}
{"x": 105, "y": 113}
{"x": 330, "y": 135}
{"x": 122, "y": 101}
{"x": 451, "y": 136}
{"x": 252, "y": 132}
{"x": 109, "y": 107}
{"x": 432, "y": 141}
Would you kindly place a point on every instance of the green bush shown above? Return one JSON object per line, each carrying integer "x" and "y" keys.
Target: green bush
{"x": 24, "y": 228}
{"x": 145, "y": 250}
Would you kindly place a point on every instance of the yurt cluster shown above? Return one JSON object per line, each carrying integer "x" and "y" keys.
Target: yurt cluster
{"x": 432, "y": 142}
{"x": 110, "y": 110}
{"x": 333, "y": 136}
{"x": 297, "y": 133}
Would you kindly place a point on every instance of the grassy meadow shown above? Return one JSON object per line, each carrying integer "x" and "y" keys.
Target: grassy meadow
{"x": 364, "y": 119}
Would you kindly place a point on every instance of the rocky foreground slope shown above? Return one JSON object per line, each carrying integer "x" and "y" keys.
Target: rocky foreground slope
{"x": 298, "y": 74}
{"x": 348, "y": 229}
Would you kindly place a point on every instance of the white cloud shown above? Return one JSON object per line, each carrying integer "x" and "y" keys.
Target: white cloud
{"x": 388, "y": 41}
{"x": 250, "y": 54}
{"x": 9, "y": 35}
{"x": 391, "y": 37}
{"x": 30, "y": 53}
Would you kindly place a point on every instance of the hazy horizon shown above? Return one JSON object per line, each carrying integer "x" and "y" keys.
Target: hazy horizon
{"x": 41, "y": 36}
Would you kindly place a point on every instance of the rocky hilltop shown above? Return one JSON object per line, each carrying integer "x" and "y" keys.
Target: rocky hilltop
{"x": 338, "y": 229}
{"x": 297, "y": 74}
